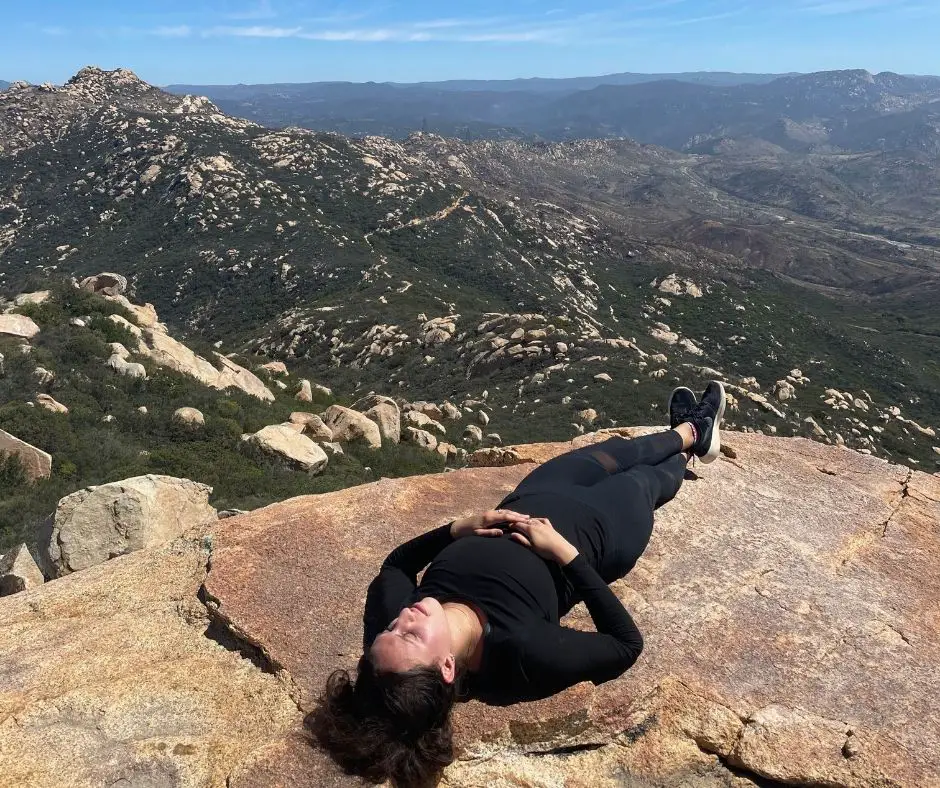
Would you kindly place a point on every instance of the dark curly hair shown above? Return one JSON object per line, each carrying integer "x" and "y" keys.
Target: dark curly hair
{"x": 387, "y": 725}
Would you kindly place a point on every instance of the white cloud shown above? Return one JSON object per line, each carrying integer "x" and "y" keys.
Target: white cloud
{"x": 178, "y": 31}
{"x": 255, "y": 31}
{"x": 54, "y": 31}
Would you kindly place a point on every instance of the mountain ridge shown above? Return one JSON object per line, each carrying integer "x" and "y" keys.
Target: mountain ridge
{"x": 551, "y": 276}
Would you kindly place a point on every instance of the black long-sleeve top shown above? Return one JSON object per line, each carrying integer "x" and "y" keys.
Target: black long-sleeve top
{"x": 527, "y": 654}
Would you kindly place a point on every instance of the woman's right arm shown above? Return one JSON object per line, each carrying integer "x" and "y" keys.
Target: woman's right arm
{"x": 557, "y": 657}
{"x": 396, "y": 581}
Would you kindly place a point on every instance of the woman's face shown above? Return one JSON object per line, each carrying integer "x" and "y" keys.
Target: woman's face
{"x": 419, "y": 636}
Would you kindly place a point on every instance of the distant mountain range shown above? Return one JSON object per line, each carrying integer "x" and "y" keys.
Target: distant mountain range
{"x": 834, "y": 111}
{"x": 4, "y": 84}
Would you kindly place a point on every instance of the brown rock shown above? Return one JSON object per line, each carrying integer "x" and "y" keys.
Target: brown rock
{"x": 189, "y": 417}
{"x": 801, "y": 582}
{"x": 96, "y": 524}
{"x": 18, "y": 571}
{"x": 384, "y": 411}
{"x": 109, "y": 679}
{"x": 288, "y": 447}
{"x": 18, "y": 326}
{"x": 312, "y": 426}
{"x": 50, "y": 404}
{"x": 36, "y": 463}
{"x": 350, "y": 425}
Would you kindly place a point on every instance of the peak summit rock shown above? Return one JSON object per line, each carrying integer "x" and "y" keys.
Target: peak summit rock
{"x": 119, "y": 77}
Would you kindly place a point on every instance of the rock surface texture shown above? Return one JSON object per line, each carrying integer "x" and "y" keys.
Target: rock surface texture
{"x": 36, "y": 463}
{"x": 289, "y": 447}
{"x": 18, "y": 571}
{"x": 787, "y": 599}
{"x": 99, "y": 523}
{"x": 18, "y": 326}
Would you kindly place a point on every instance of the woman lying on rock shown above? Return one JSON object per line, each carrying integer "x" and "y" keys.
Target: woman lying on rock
{"x": 484, "y": 620}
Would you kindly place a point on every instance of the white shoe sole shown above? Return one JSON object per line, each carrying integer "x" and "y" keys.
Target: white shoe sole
{"x": 714, "y": 447}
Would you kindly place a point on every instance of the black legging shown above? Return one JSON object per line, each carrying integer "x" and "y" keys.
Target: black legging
{"x": 624, "y": 480}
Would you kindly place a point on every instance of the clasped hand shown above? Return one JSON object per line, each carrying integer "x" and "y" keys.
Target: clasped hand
{"x": 536, "y": 533}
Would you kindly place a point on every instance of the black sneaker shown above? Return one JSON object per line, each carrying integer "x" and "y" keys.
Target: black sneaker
{"x": 706, "y": 418}
{"x": 682, "y": 404}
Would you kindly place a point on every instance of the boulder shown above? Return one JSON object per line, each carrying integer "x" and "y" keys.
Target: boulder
{"x": 105, "y": 283}
{"x": 348, "y": 425}
{"x": 483, "y": 418}
{"x": 96, "y": 524}
{"x": 18, "y": 572}
{"x": 189, "y": 417}
{"x": 385, "y": 412}
{"x": 603, "y": 377}
{"x": 447, "y": 450}
{"x": 420, "y": 438}
{"x": 275, "y": 367}
{"x": 312, "y": 426}
{"x": 18, "y": 326}
{"x": 750, "y": 671}
{"x": 224, "y": 374}
{"x": 305, "y": 392}
{"x": 472, "y": 435}
{"x": 123, "y": 367}
{"x": 50, "y": 404}
{"x": 36, "y": 463}
{"x": 419, "y": 420}
{"x": 451, "y": 412}
{"x": 117, "y": 677}
{"x": 290, "y": 448}
{"x": 39, "y": 297}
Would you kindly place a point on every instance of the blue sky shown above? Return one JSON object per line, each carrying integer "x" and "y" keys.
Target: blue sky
{"x": 216, "y": 41}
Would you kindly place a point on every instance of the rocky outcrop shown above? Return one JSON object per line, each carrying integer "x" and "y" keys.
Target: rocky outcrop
{"x": 350, "y": 425}
{"x": 312, "y": 426}
{"x": 122, "y": 366}
{"x": 420, "y": 421}
{"x": 189, "y": 417}
{"x": 50, "y": 404}
{"x": 288, "y": 447}
{"x": 38, "y": 297}
{"x": 384, "y": 411}
{"x": 814, "y": 567}
{"x": 99, "y": 523}
{"x": 18, "y": 326}
{"x": 112, "y": 677}
{"x": 36, "y": 463}
{"x": 786, "y": 600}
{"x": 18, "y": 571}
{"x": 165, "y": 351}
{"x": 105, "y": 284}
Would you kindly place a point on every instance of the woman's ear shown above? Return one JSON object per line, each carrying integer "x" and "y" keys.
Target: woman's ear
{"x": 449, "y": 669}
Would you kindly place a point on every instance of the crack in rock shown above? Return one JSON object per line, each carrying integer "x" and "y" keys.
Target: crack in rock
{"x": 905, "y": 493}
